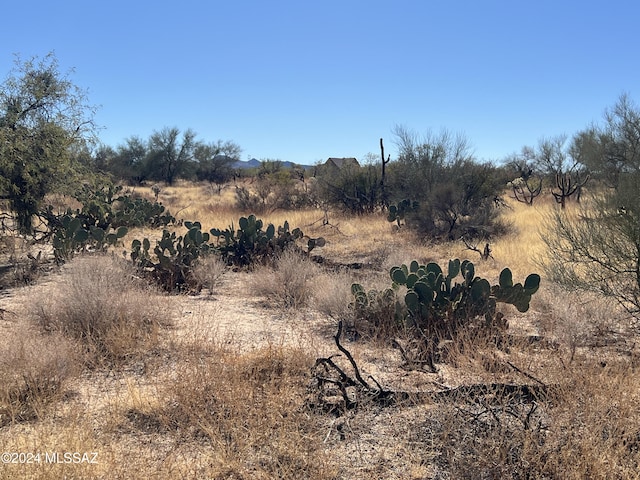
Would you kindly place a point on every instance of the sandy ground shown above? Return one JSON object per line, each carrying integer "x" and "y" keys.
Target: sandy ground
{"x": 233, "y": 314}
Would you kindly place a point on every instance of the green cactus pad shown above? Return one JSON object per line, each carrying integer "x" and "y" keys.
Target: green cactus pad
{"x": 424, "y": 292}
{"x": 506, "y": 278}
{"x": 412, "y": 278}
{"x": 454, "y": 268}
{"x": 412, "y": 301}
{"x": 532, "y": 283}
{"x": 398, "y": 275}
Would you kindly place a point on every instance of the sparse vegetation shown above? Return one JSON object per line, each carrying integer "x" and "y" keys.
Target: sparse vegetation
{"x": 207, "y": 273}
{"x": 289, "y": 282}
{"x": 34, "y": 372}
{"x": 101, "y": 304}
{"x": 233, "y": 368}
{"x": 249, "y": 409}
{"x": 243, "y": 408}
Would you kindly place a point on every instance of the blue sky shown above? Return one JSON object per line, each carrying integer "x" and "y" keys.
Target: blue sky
{"x": 303, "y": 81}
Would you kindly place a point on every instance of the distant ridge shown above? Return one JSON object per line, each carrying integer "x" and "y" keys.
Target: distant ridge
{"x": 254, "y": 163}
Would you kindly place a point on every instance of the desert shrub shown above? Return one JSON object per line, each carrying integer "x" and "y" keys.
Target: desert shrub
{"x": 466, "y": 203}
{"x": 101, "y": 303}
{"x": 208, "y": 272}
{"x": 331, "y": 294}
{"x": 353, "y": 188}
{"x": 456, "y": 194}
{"x": 34, "y": 370}
{"x": 598, "y": 249}
{"x": 247, "y": 201}
{"x": 273, "y": 191}
{"x": 288, "y": 283}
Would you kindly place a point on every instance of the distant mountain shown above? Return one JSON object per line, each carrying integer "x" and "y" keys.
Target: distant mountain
{"x": 253, "y": 163}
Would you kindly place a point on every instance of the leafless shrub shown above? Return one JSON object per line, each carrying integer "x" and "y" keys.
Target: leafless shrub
{"x": 589, "y": 430}
{"x": 289, "y": 283}
{"x": 332, "y": 294}
{"x": 208, "y": 272}
{"x": 34, "y": 369}
{"x": 100, "y": 302}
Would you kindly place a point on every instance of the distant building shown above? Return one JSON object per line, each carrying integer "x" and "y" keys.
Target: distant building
{"x": 335, "y": 165}
{"x": 340, "y": 163}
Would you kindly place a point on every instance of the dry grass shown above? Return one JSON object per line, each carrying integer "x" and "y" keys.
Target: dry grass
{"x": 99, "y": 302}
{"x": 34, "y": 371}
{"x": 332, "y": 294}
{"x": 232, "y": 415}
{"x": 208, "y": 273}
{"x": 210, "y": 408}
{"x": 288, "y": 283}
{"x": 589, "y": 430}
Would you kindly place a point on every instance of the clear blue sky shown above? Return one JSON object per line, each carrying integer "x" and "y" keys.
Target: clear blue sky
{"x": 303, "y": 81}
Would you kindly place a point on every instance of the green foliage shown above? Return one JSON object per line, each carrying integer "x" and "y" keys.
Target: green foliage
{"x": 352, "y": 188}
{"x": 105, "y": 206}
{"x": 70, "y": 236}
{"x": 168, "y": 154}
{"x": 173, "y": 256}
{"x": 103, "y": 220}
{"x": 42, "y": 116}
{"x": 398, "y": 212}
{"x": 250, "y": 243}
{"x": 457, "y": 195}
{"x": 215, "y": 161}
{"x": 434, "y": 296}
{"x": 438, "y": 303}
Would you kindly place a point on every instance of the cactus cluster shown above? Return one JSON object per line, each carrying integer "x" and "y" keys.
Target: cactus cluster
{"x": 432, "y": 293}
{"x": 102, "y": 221}
{"x": 139, "y": 212}
{"x": 106, "y": 206}
{"x": 398, "y": 212}
{"x": 174, "y": 256}
{"x": 438, "y": 303}
{"x": 250, "y": 243}
{"x": 69, "y": 236}
{"x": 172, "y": 259}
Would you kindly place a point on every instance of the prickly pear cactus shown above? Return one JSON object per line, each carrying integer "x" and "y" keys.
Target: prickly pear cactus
{"x": 440, "y": 302}
{"x": 432, "y": 294}
{"x": 397, "y": 213}
{"x": 173, "y": 257}
{"x": 251, "y": 243}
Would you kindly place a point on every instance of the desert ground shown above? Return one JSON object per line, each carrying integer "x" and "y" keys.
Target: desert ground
{"x": 223, "y": 382}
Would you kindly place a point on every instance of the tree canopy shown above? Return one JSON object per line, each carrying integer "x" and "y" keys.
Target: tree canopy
{"x": 42, "y": 115}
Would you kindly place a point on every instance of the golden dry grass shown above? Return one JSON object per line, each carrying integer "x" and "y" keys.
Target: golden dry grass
{"x": 98, "y": 302}
{"x": 189, "y": 401}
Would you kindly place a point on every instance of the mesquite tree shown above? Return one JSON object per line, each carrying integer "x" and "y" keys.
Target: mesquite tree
{"x": 599, "y": 250}
{"x": 42, "y": 115}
